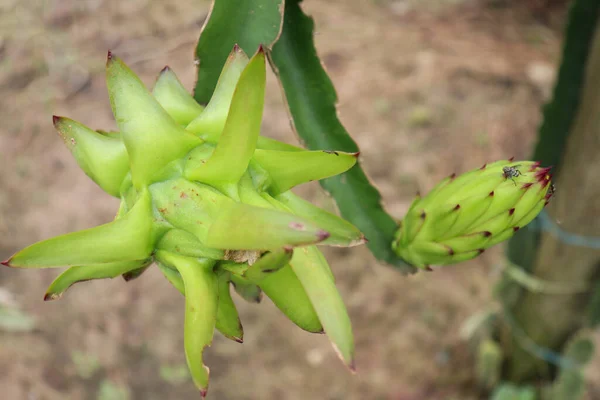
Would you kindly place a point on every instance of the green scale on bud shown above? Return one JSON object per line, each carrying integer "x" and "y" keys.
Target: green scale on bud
{"x": 207, "y": 200}
{"x": 464, "y": 215}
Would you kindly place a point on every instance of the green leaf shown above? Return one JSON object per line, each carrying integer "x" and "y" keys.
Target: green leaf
{"x": 311, "y": 99}
{"x": 248, "y": 23}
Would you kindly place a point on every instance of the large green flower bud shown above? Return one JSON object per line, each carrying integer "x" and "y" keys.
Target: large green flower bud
{"x": 207, "y": 199}
{"x": 464, "y": 215}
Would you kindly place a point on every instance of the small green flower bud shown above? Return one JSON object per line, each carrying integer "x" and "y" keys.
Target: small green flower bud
{"x": 464, "y": 215}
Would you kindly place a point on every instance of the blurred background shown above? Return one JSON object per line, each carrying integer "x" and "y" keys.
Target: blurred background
{"x": 426, "y": 87}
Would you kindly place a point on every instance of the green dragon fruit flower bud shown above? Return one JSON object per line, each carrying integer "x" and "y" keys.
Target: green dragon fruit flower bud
{"x": 464, "y": 215}
{"x": 207, "y": 200}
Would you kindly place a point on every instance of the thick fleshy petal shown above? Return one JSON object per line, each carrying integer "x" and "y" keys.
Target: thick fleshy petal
{"x": 129, "y": 238}
{"x": 237, "y": 143}
{"x": 152, "y": 138}
{"x": 201, "y": 299}
{"x": 289, "y": 169}
{"x": 174, "y": 98}
{"x": 88, "y": 272}
{"x": 103, "y": 158}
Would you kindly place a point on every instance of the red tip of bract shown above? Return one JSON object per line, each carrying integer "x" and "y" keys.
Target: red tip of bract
{"x": 450, "y": 251}
{"x": 203, "y": 393}
{"x": 236, "y": 47}
{"x": 516, "y": 228}
{"x": 165, "y": 69}
{"x": 481, "y": 251}
{"x": 51, "y": 296}
{"x": 453, "y": 175}
{"x": 491, "y": 194}
{"x": 511, "y": 211}
{"x": 484, "y": 165}
{"x": 55, "y": 119}
{"x": 527, "y": 185}
{"x": 428, "y": 268}
{"x": 511, "y": 159}
{"x": 6, "y": 262}
{"x": 543, "y": 175}
{"x": 456, "y": 208}
{"x": 261, "y": 49}
{"x": 352, "y": 367}
{"x": 322, "y": 235}
{"x": 534, "y": 166}
{"x": 356, "y": 154}
{"x": 109, "y": 56}
{"x": 239, "y": 340}
{"x": 487, "y": 233}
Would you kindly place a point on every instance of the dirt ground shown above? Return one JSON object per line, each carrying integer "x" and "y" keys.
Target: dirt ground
{"x": 426, "y": 87}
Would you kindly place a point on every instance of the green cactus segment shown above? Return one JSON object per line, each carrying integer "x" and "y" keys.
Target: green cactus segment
{"x": 77, "y": 274}
{"x": 268, "y": 264}
{"x": 129, "y": 238}
{"x": 152, "y": 138}
{"x": 246, "y": 289}
{"x": 237, "y": 143}
{"x": 239, "y": 226}
{"x": 326, "y": 300}
{"x": 228, "y": 319}
{"x": 211, "y": 122}
{"x": 174, "y": 98}
{"x": 201, "y": 302}
{"x": 103, "y": 158}
{"x": 289, "y": 169}
{"x": 342, "y": 232}
{"x": 287, "y": 293}
{"x": 464, "y": 215}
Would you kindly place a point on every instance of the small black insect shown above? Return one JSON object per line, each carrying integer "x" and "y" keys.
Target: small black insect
{"x": 511, "y": 173}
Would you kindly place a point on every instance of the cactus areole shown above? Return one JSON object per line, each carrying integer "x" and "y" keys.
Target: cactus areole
{"x": 464, "y": 215}
{"x": 207, "y": 200}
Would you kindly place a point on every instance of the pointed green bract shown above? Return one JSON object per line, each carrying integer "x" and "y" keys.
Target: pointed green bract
{"x": 246, "y": 289}
{"x": 266, "y": 143}
{"x": 173, "y": 277}
{"x": 85, "y": 273}
{"x": 103, "y": 158}
{"x": 151, "y": 136}
{"x": 184, "y": 243}
{"x": 228, "y": 320}
{"x": 237, "y": 143}
{"x": 342, "y": 232}
{"x": 210, "y": 123}
{"x": 174, "y": 98}
{"x": 289, "y": 169}
{"x": 201, "y": 299}
{"x": 464, "y": 215}
{"x": 239, "y": 226}
{"x": 125, "y": 239}
{"x": 326, "y": 300}
{"x": 269, "y": 263}
{"x": 287, "y": 293}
